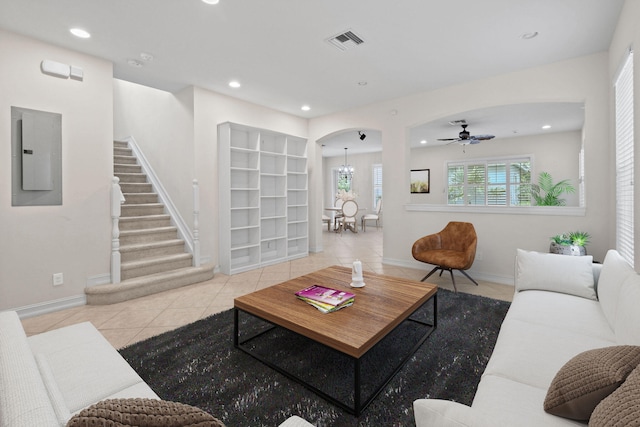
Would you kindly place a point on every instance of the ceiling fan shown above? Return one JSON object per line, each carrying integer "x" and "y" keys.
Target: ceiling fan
{"x": 465, "y": 137}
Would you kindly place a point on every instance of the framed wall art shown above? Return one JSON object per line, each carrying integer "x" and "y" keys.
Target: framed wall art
{"x": 420, "y": 180}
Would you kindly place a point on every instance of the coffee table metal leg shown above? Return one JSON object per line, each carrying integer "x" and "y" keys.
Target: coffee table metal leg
{"x": 356, "y": 392}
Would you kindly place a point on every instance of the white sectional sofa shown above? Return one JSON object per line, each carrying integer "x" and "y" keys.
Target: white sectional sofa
{"x": 562, "y": 306}
{"x": 47, "y": 378}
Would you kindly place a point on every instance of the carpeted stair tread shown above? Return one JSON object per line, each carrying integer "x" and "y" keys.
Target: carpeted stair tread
{"x": 131, "y": 223}
{"x": 136, "y": 187}
{"x": 163, "y": 259}
{"x": 130, "y": 177}
{"x": 144, "y": 217}
{"x": 137, "y": 232}
{"x": 138, "y": 199}
{"x": 147, "y": 285}
{"x": 121, "y": 159}
{"x": 142, "y": 209}
{"x": 150, "y": 245}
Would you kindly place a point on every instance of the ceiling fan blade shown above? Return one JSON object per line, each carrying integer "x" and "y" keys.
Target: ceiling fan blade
{"x": 482, "y": 137}
{"x": 449, "y": 139}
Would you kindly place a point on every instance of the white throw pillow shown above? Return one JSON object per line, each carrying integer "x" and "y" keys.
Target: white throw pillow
{"x": 615, "y": 270}
{"x": 628, "y": 314}
{"x": 566, "y": 274}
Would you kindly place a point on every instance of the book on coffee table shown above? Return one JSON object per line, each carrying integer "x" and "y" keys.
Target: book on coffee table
{"x": 326, "y": 299}
{"x": 327, "y": 308}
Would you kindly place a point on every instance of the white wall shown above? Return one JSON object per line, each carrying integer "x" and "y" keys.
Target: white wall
{"x": 74, "y": 238}
{"x": 583, "y": 79}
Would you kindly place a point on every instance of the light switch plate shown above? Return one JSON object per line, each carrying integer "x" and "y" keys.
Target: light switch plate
{"x": 58, "y": 279}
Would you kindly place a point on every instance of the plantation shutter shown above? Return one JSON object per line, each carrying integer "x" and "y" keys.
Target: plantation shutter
{"x": 624, "y": 160}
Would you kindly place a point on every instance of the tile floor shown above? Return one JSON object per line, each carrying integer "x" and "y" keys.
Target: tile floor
{"x": 132, "y": 321}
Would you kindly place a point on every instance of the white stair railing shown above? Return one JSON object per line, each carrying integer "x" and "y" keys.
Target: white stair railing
{"x": 117, "y": 198}
{"x": 196, "y": 214}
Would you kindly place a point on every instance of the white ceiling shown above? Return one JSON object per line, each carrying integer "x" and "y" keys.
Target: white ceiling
{"x": 277, "y": 48}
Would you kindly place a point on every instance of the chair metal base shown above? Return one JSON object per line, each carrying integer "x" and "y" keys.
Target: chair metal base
{"x": 450, "y": 270}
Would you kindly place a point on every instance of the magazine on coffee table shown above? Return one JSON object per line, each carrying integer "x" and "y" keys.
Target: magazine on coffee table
{"x": 325, "y": 295}
{"x": 326, "y": 299}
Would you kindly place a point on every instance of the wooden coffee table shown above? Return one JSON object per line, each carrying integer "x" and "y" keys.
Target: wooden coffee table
{"x": 380, "y": 307}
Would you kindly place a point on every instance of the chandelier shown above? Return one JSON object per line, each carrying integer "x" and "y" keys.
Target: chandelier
{"x": 345, "y": 171}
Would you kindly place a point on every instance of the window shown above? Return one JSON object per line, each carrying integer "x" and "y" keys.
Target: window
{"x": 623, "y": 92}
{"x": 500, "y": 182}
{"x": 377, "y": 183}
{"x": 340, "y": 183}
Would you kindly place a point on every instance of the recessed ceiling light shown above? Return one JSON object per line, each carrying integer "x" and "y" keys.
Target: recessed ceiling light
{"x": 146, "y": 57}
{"x": 305, "y": 108}
{"x": 528, "y": 36}
{"x": 234, "y": 84}
{"x": 546, "y": 127}
{"x": 135, "y": 63}
{"x": 79, "y": 32}
{"x": 211, "y": 1}
{"x": 424, "y": 141}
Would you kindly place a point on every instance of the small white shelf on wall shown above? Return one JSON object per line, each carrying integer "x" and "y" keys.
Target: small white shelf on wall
{"x": 263, "y": 188}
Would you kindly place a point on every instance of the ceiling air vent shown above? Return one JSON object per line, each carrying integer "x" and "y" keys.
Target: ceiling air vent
{"x": 346, "y": 40}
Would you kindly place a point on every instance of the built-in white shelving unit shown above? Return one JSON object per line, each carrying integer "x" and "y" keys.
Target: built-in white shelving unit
{"x": 263, "y": 197}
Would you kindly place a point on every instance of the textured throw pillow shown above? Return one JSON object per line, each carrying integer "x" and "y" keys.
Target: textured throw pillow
{"x": 622, "y": 407}
{"x": 566, "y": 274}
{"x": 589, "y": 377}
{"x": 142, "y": 413}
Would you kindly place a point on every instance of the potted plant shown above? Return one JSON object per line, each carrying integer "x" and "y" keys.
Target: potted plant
{"x": 546, "y": 193}
{"x": 572, "y": 243}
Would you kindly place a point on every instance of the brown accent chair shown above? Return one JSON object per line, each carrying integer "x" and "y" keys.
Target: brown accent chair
{"x": 453, "y": 248}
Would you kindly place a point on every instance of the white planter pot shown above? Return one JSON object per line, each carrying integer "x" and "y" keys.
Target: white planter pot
{"x": 574, "y": 250}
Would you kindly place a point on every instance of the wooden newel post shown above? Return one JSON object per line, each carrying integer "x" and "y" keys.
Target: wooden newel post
{"x": 116, "y": 199}
{"x": 196, "y": 214}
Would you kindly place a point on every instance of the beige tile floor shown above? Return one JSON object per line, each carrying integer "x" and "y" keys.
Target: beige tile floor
{"x": 132, "y": 321}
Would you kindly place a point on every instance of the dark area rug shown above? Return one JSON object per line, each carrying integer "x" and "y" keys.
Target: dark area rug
{"x": 198, "y": 365}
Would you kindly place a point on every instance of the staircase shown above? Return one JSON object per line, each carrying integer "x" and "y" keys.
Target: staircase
{"x": 153, "y": 257}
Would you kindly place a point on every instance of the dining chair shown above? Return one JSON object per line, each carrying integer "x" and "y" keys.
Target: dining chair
{"x": 372, "y": 216}
{"x": 348, "y": 219}
{"x": 327, "y": 219}
{"x": 338, "y": 204}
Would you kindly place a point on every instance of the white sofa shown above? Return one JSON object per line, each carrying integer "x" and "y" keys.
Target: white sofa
{"x": 560, "y": 309}
{"x": 47, "y": 378}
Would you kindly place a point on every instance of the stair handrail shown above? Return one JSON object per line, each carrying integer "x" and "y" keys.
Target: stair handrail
{"x": 117, "y": 198}
{"x": 183, "y": 229}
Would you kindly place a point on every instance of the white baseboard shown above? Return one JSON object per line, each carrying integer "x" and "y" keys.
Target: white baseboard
{"x": 51, "y": 306}
{"x": 101, "y": 279}
{"x": 503, "y": 280}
